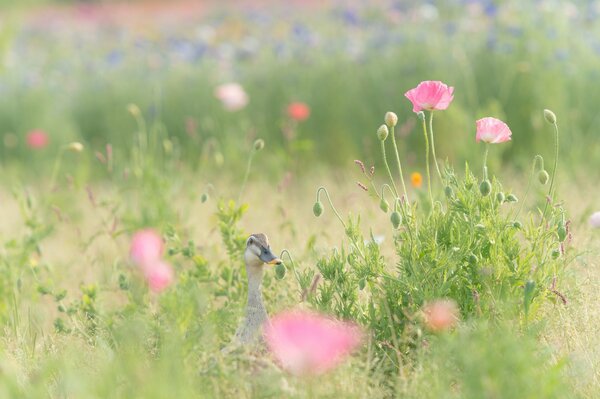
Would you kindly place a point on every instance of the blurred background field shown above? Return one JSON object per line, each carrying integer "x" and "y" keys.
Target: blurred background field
{"x": 138, "y": 84}
{"x": 71, "y": 68}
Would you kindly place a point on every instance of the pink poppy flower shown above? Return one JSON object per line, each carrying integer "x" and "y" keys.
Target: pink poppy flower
{"x": 492, "y": 130}
{"x": 146, "y": 247}
{"x": 232, "y": 96}
{"x": 159, "y": 275}
{"x": 595, "y": 220}
{"x": 308, "y": 343}
{"x": 37, "y": 139}
{"x": 441, "y": 315}
{"x": 430, "y": 95}
{"x": 298, "y": 111}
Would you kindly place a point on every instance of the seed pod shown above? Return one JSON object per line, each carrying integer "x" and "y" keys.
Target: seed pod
{"x": 384, "y": 205}
{"x": 543, "y": 177}
{"x": 318, "y": 208}
{"x": 280, "y": 271}
{"x": 485, "y": 188}
{"x": 204, "y": 197}
{"x": 472, "y": 259}
{"x": 555, "y": 253}
{"x": 511, "y": 198}
{"x": 500, "y": 197}
{"x": 396, "y": 219}
{"x": 421, "y": 116}
{"x": 449, "y": 192}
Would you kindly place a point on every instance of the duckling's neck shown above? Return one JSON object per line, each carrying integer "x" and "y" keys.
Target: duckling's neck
{"x": 255, "y": 303}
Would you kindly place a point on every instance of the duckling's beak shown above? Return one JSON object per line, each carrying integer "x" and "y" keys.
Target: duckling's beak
{"x": 268, "y": 257}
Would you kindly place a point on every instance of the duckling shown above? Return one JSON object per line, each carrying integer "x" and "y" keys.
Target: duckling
{"x": 257, "y": 254}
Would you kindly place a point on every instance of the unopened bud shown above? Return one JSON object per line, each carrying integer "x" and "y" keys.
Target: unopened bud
{"x": 384, "y": 205}
{"x": 204, "y": 197}
{"x": 396, "y": 219}
{"x": 517, "y": 224}
{"x": 555, "y": 253}
{"x": 485, "y": 188}
{"x": 543, "y": 177}
{"x": 449, "y": 192}
{"x": 134, "y": 110}
{"x": 500, "y": 197}
{"x": 318, "y": 208}
{"x": 259, "y": 144}
{"x": 550, "y": 116}
{"x": 391, "y": 119}
{"x": 511, "y": 198}
{"x": 421, "y": 116}
{"x": 361, "y": 284}
{"x": 561, "y": 231}
{"x": 382, "y": 132}
{"x": 280, "y": 271}
{"x": 75, "y": 147}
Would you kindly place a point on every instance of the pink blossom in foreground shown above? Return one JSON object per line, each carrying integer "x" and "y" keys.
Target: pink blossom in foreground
{"x": 37, "y": 139}
{"x": 159, "y": 275}
{"x": 298, "y": 111}
{"x": 232, "y": 96}
{"x": 595, "y": 220}
{"x": 146, "y": 247}
{"x": 492, "y": 130}
{"x": 308, "y": 343}
{"x": 441, "y": 315}
{"x": 430, "y": 95}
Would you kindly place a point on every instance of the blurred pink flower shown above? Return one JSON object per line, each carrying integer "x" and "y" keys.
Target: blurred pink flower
{"x": 492, "y": 130}
{"x": 37, "y": 139}
{"x": 298, "y": 111}
{"x": 308, "y": 343}
{"x": 232, "y": 96}
{"x": 146, "y": 247}
{"x": 595, "y": 220}
{"x": 430, "y": 95}
{"x": 441, "y": 315}
{"x": 159, "y": 275}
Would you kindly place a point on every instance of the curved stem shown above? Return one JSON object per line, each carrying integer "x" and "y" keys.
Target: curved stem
{"x": 339, "y": 218}
{"x": 398, "y": 162}
{"x": 330, "y": 204}
{"x": 387, "y": 167}
{"x": 433, "y": 145}
{"x": 285, "y": 251}
{"x": 427, "y": 162}
{"x": 550, "y": 191}
{"x": 385, "y": 185}
{"x": 246, "y": 175}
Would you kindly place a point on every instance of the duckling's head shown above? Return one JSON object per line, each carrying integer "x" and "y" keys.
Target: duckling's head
{"x": 259, "y": 252}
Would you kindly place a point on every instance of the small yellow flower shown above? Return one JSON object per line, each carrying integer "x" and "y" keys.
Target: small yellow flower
{"x": 416, "y": 180}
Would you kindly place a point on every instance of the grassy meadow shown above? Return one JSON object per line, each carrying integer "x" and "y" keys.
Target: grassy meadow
{"x": 208, "y": 122}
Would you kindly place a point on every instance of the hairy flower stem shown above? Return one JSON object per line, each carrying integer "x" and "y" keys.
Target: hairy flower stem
{"x": 553, "y": 175}
{"x": 339, "y": 218}
{"x": 286, "y": 252}
{"x": 392, "y": 133}
{"x": 427, "y": 162}
{"x": 433, "y": 145}
{"x": 246, "y": 175}
{"x": 485, "y": 157}
{"x": 387, "y": 168}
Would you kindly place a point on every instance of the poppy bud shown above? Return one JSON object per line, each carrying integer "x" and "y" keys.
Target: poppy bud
{"x": 512, "y": 198}
{"x": 549, "y": 116}
{"x": 500, "y": 197}
{"x": 517, "y": 225}
{"x": 555, "y": 253}
{"x": 543, "y": 177}
{"x": 318, "y": 208}
{"x": 384, "y": 205}
{"x": 259, "y": 144}
{"x": 396, "y": 219}
{"x": 382, "y": 132}
{"x": 361, "y": 284}
{"x": 485, "y": 188}
{"x": 561, "y": 231}
{"x": 421, "y": 116}
{"x": 75, "y": 147}
{"x": 280, "y": 271}
{"x": 391, "y": 119}
{"x": 449, "y": 192}
{"x": 204, "y": 197}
